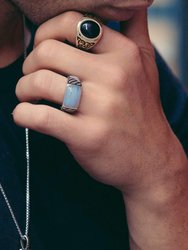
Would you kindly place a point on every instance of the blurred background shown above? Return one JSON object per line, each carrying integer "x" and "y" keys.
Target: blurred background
{"x": 169, "y": 32}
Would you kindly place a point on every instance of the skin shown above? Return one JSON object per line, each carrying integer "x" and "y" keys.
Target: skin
{"x": 107, "y": 9}
{"x": 10, "y": 45}
{"x": 120, "y": 135}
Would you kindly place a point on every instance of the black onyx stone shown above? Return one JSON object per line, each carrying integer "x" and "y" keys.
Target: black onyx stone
{"x": 90, "y": 29}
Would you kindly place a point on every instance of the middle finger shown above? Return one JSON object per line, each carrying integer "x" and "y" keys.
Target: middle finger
{"x": 61, "y": 58}
{"x": 64, "y": 28}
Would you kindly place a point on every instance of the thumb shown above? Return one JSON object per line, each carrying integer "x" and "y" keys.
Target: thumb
{"x": 136, "y": 29}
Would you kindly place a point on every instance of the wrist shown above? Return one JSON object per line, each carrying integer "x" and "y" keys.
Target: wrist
{"x": 161, "y": 211}
{"x": 161, "y": 188}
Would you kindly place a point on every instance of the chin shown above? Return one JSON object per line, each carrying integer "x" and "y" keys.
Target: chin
{"x": 115, "y": 15}
{"x": 106, "y": 14}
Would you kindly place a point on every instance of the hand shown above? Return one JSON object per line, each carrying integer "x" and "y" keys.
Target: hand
{"x": 120, "y": 135}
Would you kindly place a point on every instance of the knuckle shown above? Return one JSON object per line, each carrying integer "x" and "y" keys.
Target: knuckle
{"x": 43, "y": 51}
{"x": 70, "y": 16}
{"x": 38, "y": 35}
{"x": 40, "y": 80}
{"x": 44, "y": 120}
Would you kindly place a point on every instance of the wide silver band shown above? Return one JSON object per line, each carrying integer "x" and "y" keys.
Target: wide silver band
{"x": 72, "y": 95}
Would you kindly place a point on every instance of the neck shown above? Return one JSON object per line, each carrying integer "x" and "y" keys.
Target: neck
{"x": 11, "y": 33}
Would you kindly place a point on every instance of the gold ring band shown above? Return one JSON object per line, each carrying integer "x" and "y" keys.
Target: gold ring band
{"x": 89, "y": 33}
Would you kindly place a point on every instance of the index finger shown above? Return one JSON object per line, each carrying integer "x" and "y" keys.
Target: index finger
{"x": 64, "y": 28}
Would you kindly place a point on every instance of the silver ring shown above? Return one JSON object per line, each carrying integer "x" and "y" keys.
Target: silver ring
{"x": 89, "y": 33}
{"x": 72, "y": 96}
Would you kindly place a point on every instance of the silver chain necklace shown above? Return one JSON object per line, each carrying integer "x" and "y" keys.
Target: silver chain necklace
{"x": 24, "y": 238}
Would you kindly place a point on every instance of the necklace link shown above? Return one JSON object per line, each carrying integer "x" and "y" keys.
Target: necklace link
{"x": 24, "y": 241}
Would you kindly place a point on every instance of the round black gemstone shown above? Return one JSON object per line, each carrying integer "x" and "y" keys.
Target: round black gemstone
{"x": 90, "y": 29}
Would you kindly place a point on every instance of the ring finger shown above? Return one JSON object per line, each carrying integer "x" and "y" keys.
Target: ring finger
{"x": 50, "y": 86}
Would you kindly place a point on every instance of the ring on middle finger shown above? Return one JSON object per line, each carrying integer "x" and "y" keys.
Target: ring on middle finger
{"x": 89, "y": 33}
